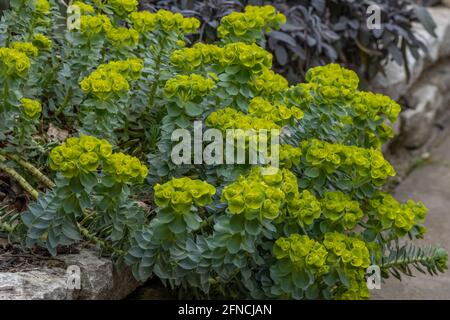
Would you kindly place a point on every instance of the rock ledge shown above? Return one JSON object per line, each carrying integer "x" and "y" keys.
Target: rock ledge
{"x": 98, "y": 277}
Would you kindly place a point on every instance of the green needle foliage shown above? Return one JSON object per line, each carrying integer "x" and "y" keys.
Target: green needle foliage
{"x": 404, "y": 259}
{"x": 121, "y": 84}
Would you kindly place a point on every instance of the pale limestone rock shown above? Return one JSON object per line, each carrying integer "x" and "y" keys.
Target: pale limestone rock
{"x": 99, "y": 280}
{"x": 418, "y": 122}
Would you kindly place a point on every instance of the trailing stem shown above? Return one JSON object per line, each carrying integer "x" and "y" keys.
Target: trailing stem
{"x": 154, "y": 87}
{"x": 102, "y": 244}
{"x": 32, "y": 169}
{"x": 16, "y": 176}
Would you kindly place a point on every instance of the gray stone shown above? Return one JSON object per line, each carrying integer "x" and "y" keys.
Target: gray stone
{"x": 394, "y": 83}
{"x": 441, "y": 17}
{"x": 439, "y": 76}
{"x": 417, "y": 123}
{"x": 99, "y": 280}
{"x": 34, "y": 285}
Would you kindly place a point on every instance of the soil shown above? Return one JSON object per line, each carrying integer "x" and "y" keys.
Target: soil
{"x": 13, "y": 258}
{"x": 11, "y": 195}
{"x": 153, "y": 289}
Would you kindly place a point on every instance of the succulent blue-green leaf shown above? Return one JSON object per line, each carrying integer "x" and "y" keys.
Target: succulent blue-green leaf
{"x": 233, "y": 69}
{"x": 312, "y": 292}
{"x": 75, "y": 185}
{"x": 192, "y": 220}
{"x": 177, "y": 225}
{"x": 237, "y": 223}
{"x": 70, "y": 231}
{"x": 312, "y": 172}
{"x": 193, "y": 109}
{"x": 330, "y": 278}
{"x": 187, "y": 264}
{"x": 343, "y": 278}
{"x": 301, "y": 278}
{"x": 89, "y": 181}
{"x": 234, "y": 243}
{"x": 165, "y": 216}
{"x": 144, "y": 272}
{"x": 252, "y": 227}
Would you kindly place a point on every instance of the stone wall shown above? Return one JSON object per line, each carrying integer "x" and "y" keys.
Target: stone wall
{"x": 100, "y": 279}
{"x": 425, "y": 97}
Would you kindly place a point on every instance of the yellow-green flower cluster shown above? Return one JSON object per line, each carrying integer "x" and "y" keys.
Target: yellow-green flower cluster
{"x": 254, "y": 19}
{"x": 123, "y": 37}
{"x": 305, "y": 207}
{"x": 264, "y": 195}
{"x": 229, "y": 118}
{"x": 42, "y": 6}
{"x": 105, "y": 85}
{"x": 26, "y": 47}
{"x": 392, "y": 214}
{"x": 333, "y": 75}
{"x": 145, "y": 21}
{"x": 249, "y": 131}
{"x": 330, "y": 157}
{"x": 382, "y": 133}
{"x": 42, "y": 42}
{"x": 330, "y": 85}
{"x": 279, "y": 114}
{"x": 357, "y": 289}
{"x": 93, "y": 25}
{"x": 84, "y": 7}
{"x": 301, "y": 94}
{"x": 348, "y": 255}
{"x": 354, "y": 257}
{"x": 348, "y": 250}
{"x": 130, "y": 68}
{"x": 86, "y": 154}
{"x": 326, "y": 84}
{"x": 248, "y": 56}
{"x": 180, "y": 43}
{"x": 190, "y": 25}
{"x": 269, "y": 83}
{"x": 189, "y": 59}
{"x": 188, "y": 87}
{"x": 111, "y": 79}
{"x": 123, "y": 7}
{"x": 13, "y": 62}
{"x": 337, "y": 206}
{"x": 370, "y": 105}
{"x": 180, "y": 194}
{"x": 79, "y": 155}
{"x": 125, "y": 168}
{"x": 289, "y": 156}
{"x": 31, "y": 108}
{"x": 302, "y": 252}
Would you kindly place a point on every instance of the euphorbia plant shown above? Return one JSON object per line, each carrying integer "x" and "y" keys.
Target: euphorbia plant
{"x": 125, "y": 81}
{"x": 85, "y": 197}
